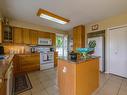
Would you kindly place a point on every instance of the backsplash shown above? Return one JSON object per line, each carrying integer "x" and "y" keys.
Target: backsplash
{"x": 17, "y": 49}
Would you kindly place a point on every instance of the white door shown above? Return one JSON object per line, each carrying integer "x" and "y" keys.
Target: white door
{"x": 99, "y": 50}
{"x": 118, "y": 51}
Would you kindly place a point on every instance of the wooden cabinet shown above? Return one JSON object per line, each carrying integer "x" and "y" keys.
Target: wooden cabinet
{"x": 26, "y": 36}
{"x": 78, "y": 78}
{"x": 55, "y": 58}
{"x": 29, "y": 62}
{"x": 33, "y": 37}
{"x": 7, "y": 34}
{"x": 17, "y": 35}
{"x": 53, "y": 37}
{"x": 17, "y": 67}
{"x": 26, "y": 63}
{"x": 66, "y": 80}
{"x": 0, "y": 31}
{"x": 43, "y": 34}
{"x": 78, "y": 37}
{"x": 3, "y": 87}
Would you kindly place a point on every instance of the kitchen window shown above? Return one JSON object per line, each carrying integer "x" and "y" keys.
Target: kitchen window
{"x": 61, "y": 45}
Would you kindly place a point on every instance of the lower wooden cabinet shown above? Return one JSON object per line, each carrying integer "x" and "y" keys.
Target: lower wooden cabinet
{"x": 3, "y": 87}
{"x": 78, "y": 78}
{"x": 26, "y": 63}
{"x": 55, "y": 58}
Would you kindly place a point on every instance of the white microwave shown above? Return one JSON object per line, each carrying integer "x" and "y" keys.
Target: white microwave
{"x": 44, "y": 41}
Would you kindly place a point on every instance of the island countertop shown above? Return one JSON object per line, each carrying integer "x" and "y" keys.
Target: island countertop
{"x": 79, "y": 60}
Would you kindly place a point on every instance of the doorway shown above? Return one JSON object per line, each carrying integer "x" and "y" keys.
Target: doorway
{"x": 118, "y": 51}
{"x": 99, "y": 38}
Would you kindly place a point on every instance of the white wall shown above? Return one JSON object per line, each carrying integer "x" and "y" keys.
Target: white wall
{"x": 104, "y": 25}
{"x": 35, "y": 27}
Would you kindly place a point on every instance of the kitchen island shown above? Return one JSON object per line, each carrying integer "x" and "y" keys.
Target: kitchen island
{"x": 78, "y": 78}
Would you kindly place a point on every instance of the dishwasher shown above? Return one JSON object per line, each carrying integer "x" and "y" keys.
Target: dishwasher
{"x": 9, "y": 78}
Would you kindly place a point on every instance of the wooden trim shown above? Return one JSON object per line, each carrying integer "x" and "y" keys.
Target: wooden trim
{"x": 96, "y": 34}
{"x": 42, "y": 11}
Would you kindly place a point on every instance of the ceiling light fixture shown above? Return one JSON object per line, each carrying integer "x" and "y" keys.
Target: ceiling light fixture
{"x": 52, "y": 17}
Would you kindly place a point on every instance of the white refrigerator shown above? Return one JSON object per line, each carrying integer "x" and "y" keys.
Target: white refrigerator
{"x": 99, "y": 51}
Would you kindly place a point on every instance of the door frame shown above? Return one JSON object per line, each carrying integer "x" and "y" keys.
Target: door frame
{"x": 100, "y": 33}
{"x": 108, "y": 60}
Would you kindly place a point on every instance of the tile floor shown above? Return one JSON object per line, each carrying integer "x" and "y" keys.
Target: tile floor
{"x": 44, "y": 83}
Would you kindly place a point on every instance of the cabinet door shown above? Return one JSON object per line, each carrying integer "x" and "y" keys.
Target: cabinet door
{"x": 17, "y": 68}
{"x": 66, "y": 78}
{"x": 33, "y": 37}
{"x": 29, "y": 62}
{"x": 0, "y": 31}
{"x": 53, "y": 37}
{"x": 55, "y": 58}
{"x": 75, "y": 40}
{"x": 26, "y": 36}
{"x": 78, "y": 37}
{"x": 3, "y": 87}
{"x": 17, "y": 35}
{"x": 43, "y": 34}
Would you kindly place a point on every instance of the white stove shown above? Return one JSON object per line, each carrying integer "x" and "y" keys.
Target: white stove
{"x": 46, "y": 59}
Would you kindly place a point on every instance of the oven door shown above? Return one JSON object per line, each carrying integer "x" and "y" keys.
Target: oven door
{"x": 50, "y": 56}
{"x": 46, "y": 57}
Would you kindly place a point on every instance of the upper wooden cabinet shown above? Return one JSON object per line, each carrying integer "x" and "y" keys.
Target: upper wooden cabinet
{"x": 26, "y": 36}
{"x": 0, "y": 31}
{"x": 33, "y": 37}
{"x": 53, "y": 37}
{"x": 17, "y": 35}
{"x": 43, "y": 34}
{"x": 7, "y": 34}
{"x": 78, "y": 37}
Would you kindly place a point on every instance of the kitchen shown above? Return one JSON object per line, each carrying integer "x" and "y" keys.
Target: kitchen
{"x": 31, "y": 52}
{"x": 50, "y": 49}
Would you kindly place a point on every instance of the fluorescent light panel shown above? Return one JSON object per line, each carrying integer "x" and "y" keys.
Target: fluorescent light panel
{"x": 52, "y": 19}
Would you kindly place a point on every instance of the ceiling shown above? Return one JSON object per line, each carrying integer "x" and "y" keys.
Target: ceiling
{"x": 78, "y": 11}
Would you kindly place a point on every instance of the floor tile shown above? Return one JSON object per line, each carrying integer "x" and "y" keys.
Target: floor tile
{"x": 53, "y": 90}
{"x": 26, "y": 93}
{"x": 45, "y": 83}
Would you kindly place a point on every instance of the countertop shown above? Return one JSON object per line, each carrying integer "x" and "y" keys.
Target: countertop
{"x": 4, "y": 65}
{"x": 79, "y": 60}
{"x": 28, "y": 53}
